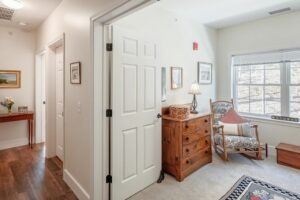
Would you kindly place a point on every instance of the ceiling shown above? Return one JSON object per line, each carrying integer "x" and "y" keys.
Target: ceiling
{"x": 223, "y": 13}
{"x": 32, "y": 14}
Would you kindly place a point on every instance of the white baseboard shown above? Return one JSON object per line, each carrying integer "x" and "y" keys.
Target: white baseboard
{"x": 13, "y": 143}
{"x": 75, "y": 186}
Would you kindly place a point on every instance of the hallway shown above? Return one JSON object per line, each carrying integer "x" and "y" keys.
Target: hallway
{"x": 25, "y": 174}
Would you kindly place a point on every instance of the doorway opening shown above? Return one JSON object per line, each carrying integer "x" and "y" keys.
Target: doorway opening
{"x": 50, "y": 98}
{"x": 127, "y": 85}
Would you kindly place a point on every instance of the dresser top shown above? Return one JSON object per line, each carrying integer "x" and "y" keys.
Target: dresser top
{"x": 191, "y": 116}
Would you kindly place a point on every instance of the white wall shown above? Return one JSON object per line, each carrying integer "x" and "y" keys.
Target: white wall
{"x": 280, "y": 32}
{"x": 17, "y": 53}
{"x": 175, "y": 36}
{"x": 72, "y": 17}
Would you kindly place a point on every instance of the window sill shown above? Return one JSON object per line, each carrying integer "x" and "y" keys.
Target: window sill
{"x": 272, "y": 121}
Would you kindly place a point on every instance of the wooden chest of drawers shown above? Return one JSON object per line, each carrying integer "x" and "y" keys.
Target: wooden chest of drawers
{"x": 186, "y": 144}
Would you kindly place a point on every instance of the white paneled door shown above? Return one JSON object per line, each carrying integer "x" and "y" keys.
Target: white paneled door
{"x": 136, "y": 129}
{"x": 59, "y": 102}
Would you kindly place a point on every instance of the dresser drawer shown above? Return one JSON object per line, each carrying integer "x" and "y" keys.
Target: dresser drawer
{"x": 188, "y": 138}
{"x": 196, "y": 124}
{"x": 194, "y": 147}
{"x": 200, "y": 156}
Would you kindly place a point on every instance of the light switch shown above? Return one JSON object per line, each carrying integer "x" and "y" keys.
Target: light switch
{"x": 78, "y": 107}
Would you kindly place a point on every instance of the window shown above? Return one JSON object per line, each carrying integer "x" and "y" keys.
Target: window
{"x": 267, "y": 84}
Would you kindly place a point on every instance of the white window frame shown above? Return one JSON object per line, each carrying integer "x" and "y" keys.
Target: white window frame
{"x": 284, "y": 85}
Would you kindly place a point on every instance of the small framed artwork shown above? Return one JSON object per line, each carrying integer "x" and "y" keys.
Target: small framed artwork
{"x": 163, "y": 84}
{"x": 204, "y": 73}
{"x": 10, "y": 79}
{"x": 176, "y": 78}
{"x": 75, "y": 73}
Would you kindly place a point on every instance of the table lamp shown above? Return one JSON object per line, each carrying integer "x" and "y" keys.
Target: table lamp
{"x": 195, "y": 90}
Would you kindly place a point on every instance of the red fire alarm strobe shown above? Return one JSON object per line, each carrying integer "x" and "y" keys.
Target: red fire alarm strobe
{"x": 195, "y": 46}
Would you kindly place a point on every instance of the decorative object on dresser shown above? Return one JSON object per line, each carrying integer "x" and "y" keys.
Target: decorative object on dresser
{"x": 195, "y": 90}
{"x": 176, "y": 78}
{"x": 288, "y": 155}
{"x": 179, "y": 111}
{"x": 186, "y": 144}
{"x": 234, "y": 136}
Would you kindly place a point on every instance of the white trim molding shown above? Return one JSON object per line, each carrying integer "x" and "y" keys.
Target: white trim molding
{"x": 79, "y": 191}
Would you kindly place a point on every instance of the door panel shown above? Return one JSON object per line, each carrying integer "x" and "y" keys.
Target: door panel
{"x": 136, "y": 131}
{"x": 60, "y": 103}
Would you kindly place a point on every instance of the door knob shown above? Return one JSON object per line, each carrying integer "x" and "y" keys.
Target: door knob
{"x": 159, "y": 115}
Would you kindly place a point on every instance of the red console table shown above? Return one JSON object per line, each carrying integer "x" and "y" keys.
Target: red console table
{"x": 28, "y": 116}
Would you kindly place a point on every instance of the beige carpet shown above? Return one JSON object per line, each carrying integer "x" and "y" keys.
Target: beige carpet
{"x": 214, "y": 180}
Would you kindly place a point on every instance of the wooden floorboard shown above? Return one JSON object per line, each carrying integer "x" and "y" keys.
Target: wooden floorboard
{"x": 25, "y": 174}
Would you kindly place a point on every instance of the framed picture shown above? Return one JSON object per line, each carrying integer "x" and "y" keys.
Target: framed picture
{"x": 75, "y": 73}
{"x": 22, "y": 109}
{"x": 163, "y": 84}
{"x": 176, "y": 78}
{"x": 10, "y": 79}
{"x": 204, "y": 73}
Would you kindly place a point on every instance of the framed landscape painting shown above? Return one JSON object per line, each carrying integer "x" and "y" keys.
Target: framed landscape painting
{"x": 10, "y": 79}
{"x": 204, "y": 73}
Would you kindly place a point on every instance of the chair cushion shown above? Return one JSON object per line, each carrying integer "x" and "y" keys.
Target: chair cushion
{"x": 236, "y": 141}
{"x": 232, "y": 117}
{"x": 237, "y": 129}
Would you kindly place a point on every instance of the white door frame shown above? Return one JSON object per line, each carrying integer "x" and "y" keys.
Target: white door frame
{"x": 51, "y": 94}
{"x": 100, "y": 62}
{"x": 39, "y": 75}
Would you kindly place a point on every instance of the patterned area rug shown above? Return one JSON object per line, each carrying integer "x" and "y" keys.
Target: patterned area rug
{"x": 248, "y": 188}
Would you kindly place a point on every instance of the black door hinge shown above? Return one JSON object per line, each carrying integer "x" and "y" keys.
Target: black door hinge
{"x": 109, "y": 113}
{"x": 109, "y": 46}
{"x": 108, "y": 179}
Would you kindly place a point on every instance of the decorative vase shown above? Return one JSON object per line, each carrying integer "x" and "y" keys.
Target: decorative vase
{"x": 9, "y": 108}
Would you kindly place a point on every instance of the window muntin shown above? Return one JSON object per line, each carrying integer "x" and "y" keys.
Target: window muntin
{"x": 268, "y": 83}
{"x": 258, "y": 89}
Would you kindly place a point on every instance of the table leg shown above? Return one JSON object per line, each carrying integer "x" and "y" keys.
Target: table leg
{"x": 32, "y": 133}
{"x": 29, "y": 133}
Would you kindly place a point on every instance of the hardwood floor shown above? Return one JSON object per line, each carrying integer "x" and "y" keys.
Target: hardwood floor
{"x": 25, "y": 174}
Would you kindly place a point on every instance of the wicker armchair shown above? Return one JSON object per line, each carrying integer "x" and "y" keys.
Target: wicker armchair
{"x": 247, "y": 144}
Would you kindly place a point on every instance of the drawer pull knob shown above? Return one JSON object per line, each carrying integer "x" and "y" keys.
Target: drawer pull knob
{"x": 206, "y": 121}
{"x": 187, "y": 138}
{"x": 187, "y": 162}
{"x": 206, "y": 142}
{"x": 186, "y": 126}
{"x": 206, "y": 152}
{"x": 187, "y": 150}
{"x": 206, "y": 131}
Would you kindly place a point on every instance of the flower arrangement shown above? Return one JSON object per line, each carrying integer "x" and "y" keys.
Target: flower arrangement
{"x": 8, "y": 103}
